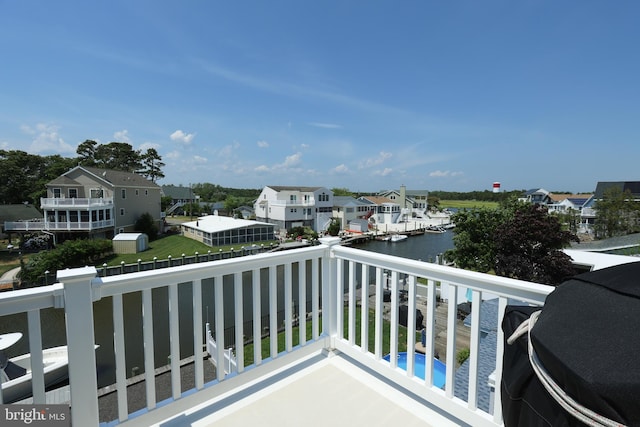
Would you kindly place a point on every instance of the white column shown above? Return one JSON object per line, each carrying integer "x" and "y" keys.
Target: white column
{"x": 78, "y": 303}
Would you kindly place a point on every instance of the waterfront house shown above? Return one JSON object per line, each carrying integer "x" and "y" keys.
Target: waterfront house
{"x": 91, "y": 202}
{"x": 414, "y": 200}
{"x": 386, "y": 211}
{"x": 288, "y": 206}
{"x": 347, "y": 209}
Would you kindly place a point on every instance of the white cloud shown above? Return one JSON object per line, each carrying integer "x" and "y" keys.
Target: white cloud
{"x": 374, "y": 161}
{"x": 262, "y": 168}
{"x": 227, "y": 150}
{"x": 263, "y": 144}
{"x": 292, "y": 160}
{"x": 199, "y": 159}
{"x": 341, "y": 169}
{"x": 145, "y": 146}
{"x": 325, "y": 125}
{"x": 184, "y": 138}
{"x": 385, "y": 172}
{"x": 122, "y": 136}
{"x": 173, "y": 155}
{"x": 47, "y": 139}
{"x": 440, "y": 174}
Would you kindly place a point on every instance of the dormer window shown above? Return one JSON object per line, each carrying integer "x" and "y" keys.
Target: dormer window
{"x": 73, "y": 193}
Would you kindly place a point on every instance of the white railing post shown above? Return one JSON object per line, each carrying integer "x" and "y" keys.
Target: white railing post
{"x": 78, "y": 303}
{"x": 330, "y": 282}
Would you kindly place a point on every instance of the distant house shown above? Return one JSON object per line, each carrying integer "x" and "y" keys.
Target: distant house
{"x": 386, "y": 210}
{"x": 538, "y": 196}
{"x": 92, "y": 202}
{"x": 588, "y": 210}
{"x": 562, "y": 203}
{"x": 347, "y": 209}
{"x": 288, "y": 206}
{"x": 23, "y": 212}
{"x": 414, "y": 200}
{"x": 180, "y": 196}
{"x": 246, "y": 212}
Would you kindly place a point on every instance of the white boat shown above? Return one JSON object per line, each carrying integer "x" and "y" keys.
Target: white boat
{"x": 15, "y": 373}
{"x": 398, "y": 238}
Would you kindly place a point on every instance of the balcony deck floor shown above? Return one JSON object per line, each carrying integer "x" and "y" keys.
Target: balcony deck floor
{"x": 330, "y": 391}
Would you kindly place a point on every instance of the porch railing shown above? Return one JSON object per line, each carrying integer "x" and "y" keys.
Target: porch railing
{"x": 333, "y": 281}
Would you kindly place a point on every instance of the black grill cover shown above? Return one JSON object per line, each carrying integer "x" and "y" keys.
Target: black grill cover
{"x": 588, "y": 339}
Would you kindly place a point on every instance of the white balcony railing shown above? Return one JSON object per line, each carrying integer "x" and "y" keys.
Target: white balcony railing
{"x": 38, "y": 225}
{"x": 67, "y": 202}
{"x": 327, "y": 277}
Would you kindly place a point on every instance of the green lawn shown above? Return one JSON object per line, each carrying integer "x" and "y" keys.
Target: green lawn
{"x": 467, "y": 204}
{"x": 174, "y": 245}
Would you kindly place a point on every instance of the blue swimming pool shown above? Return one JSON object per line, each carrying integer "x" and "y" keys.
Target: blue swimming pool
{"x": 439, "y": 368}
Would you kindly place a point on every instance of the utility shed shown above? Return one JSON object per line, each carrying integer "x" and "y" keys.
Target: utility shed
{"x": 130, "y": 243}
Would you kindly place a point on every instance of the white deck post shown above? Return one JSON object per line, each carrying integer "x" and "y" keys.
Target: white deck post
{"x": 78, "y": 303}
{"x": 330, "y": 282}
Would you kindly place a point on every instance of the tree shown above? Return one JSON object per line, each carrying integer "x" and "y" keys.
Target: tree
{"x": 518, "y": 239}
{"x": 118, "y": 156}
{"x": 19, "y": 172}
{"x": 334, "y": 227}
{"x": 86, "y": 152}
{"x": 341, "y": 192}
{"x": 616, "y": 213}
{"x": 529, "y": 244}
{"x": 474, "y": 248}
{"x": 146, "y": 224}
{"x": 152, "y": 165}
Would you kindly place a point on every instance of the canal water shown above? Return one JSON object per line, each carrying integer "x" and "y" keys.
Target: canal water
{"x": 422, "y": 247}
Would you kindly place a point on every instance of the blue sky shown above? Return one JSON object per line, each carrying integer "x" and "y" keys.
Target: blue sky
{"x": 367, "y": 95}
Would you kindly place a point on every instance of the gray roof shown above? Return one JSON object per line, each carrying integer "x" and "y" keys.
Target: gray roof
{"x": 178, "y": 192}
{"x": 108, "y": 176}
{"x": 632, "y": 186}
{"x": 345, "y": 200}
{"x": 608, "y": 244}
{"x": 487, "y": 357}
{"x": 293, "y": 188}
{"x": 18, "y": 212}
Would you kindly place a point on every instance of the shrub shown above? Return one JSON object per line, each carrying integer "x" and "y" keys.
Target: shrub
{"x": 70, "y": 254}
{"x": 462, "y": 355}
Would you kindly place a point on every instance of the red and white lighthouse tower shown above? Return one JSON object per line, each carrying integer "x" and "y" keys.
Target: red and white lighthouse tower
{"x": 496, "y": 187}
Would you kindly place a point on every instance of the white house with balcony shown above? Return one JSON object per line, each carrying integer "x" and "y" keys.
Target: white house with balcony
{"x": 386, "y": 210}
{"x": 94, "y": 202}
{"x": 287, "y": 207}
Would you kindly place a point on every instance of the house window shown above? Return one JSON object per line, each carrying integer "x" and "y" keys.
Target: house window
{"x": 146, "y": 192}
{"x": 124, "y": 193}
{"x": 57, "y": 193}
{"x": 73, "y": 193}
{"x": 121, "y": 211}
{"x": 96, "y": 193}
{"x": 137, "y": 192}
{"x": 293, "y": 197}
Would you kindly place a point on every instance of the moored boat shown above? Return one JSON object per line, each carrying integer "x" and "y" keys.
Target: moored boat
{"x": 15, "y": 373}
